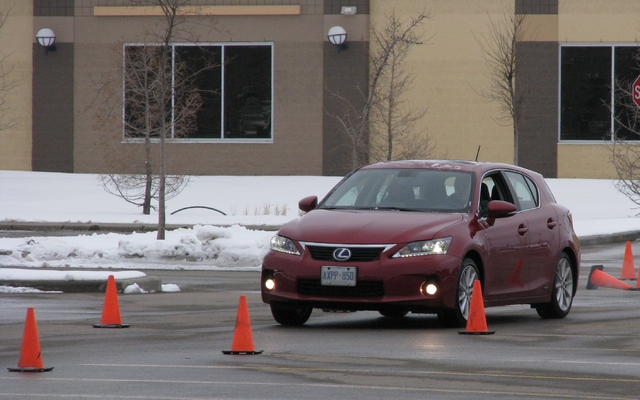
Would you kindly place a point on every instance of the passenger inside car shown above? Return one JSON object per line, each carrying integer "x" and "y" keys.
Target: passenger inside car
{"x": 462, "y": 188}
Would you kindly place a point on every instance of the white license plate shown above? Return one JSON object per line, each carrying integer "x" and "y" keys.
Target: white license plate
{"x": 338, "y": 276}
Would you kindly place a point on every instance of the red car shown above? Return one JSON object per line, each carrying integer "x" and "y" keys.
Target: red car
{"x": 412, "y": 236}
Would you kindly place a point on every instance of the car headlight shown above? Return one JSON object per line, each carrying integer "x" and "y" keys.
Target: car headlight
{"x": 283, "y": 245}
{"x": 424, "y": 248}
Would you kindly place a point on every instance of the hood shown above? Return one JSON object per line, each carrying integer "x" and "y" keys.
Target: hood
{"x": 367, "y": 226}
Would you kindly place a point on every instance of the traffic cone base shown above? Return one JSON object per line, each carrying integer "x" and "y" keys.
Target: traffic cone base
{"x": 242, "y": 337}
{"x": 477, "y": 320}
{"x": 30, "y": 354}
{"x": 111, "y": 309}
{"x": 242, "y": 352}
{"x": 628, "y": 268}
{"x": 599, "y": 278}
{"x": 30, "y": 369}
{"x": 111, "y": 325}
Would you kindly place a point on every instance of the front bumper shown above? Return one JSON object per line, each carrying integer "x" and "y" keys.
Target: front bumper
{"x": 381, "y": 284}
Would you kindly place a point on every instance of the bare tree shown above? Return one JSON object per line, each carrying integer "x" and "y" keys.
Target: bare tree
{"x": 625, "y": 151}
{"x": 6, "y": 81}
{"x": 393, "y": 119}
{"x": 500, "y": 52}
{"x": 381, "y": 104}
{"x": 161, "y": 102}
{"x": 139, "y": 76}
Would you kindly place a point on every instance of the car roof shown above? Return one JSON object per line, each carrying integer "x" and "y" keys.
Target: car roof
{"x": 446, "y": 165}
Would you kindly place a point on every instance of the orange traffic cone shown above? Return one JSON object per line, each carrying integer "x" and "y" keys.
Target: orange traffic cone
{"x": 477, "y": 321}
{"x": 242, "y": 337}
{"x": 598, "y": 278}
{"x": 111, "y": 309}
{"x": 628, "y": 268}
{"x": 30, "y": 355}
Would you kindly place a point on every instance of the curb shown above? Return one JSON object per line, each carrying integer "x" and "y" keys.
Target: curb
{"x": 147, "y": 283}
{"x": 620, "y": 237}
{"x": 110, "y": 227}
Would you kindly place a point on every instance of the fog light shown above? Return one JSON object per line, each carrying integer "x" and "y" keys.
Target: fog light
{"x": 429, "y": 288}
{"x": 270, "y": 283}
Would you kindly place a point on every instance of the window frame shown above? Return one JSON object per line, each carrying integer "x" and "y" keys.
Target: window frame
{"x": 528, "y": 185}
{"x": 221, "y": 139}
{"x": 612, "y": 46}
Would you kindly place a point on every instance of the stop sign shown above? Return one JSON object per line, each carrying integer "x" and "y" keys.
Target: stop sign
{"x": 635, "y": 90}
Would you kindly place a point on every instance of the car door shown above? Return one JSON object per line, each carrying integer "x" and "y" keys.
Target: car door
{"x": 543, "y": 235}
{"x": 506, "y": 241}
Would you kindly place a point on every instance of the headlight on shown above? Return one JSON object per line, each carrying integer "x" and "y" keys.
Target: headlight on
{"x": 283, "y": 245}
{"x": 425, "y": 248}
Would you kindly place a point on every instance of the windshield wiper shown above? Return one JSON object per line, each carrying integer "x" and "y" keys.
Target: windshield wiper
{"x": 373, "y": 208}
{"x": 395, "y": 208}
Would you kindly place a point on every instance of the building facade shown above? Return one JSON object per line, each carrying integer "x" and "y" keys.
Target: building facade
{"x": 270, "y": 106}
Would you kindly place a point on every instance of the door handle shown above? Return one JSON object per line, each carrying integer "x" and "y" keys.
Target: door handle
{"x": 522, "y": 229}
{"x": 551, "y": 223}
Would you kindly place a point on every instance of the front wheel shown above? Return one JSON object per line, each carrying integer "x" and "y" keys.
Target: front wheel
{"x": 457, "y": 317}
{"x": 562, "y": 292}
{"x": 290, "y": 316}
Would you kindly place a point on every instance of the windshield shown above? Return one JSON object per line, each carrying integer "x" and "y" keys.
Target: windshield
{"x": 403, "y": 189}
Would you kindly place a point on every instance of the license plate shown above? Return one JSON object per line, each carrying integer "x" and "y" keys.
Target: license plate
{"x": 338, "y": 276}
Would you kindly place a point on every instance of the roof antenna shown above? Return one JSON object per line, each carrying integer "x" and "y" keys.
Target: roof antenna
{"x": 478, "y": 153}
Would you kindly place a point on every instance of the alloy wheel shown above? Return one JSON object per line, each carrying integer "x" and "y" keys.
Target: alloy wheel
{"x": 564, "y": 284}
{"x": 465, "y": 288}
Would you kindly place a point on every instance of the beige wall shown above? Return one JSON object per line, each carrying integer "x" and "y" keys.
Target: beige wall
{"x": 450, "y": 73}
{"x": 16, "y": 46}
{"x": 585, "y": 161}
{"x": 297, "y": 108}
{"x": 598, "y": 20}
{"x": 541, "y": 28}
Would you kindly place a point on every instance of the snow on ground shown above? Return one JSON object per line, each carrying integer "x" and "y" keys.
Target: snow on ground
{"x": 215, "y": 241}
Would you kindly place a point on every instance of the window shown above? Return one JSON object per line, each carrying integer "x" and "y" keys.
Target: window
{"x": 525, "y": 190}
{"x": 403, "y": 189}
{"x": 587, "y": 74}
{"x": 493, "y": 187}
{"x": 231, "y": 84}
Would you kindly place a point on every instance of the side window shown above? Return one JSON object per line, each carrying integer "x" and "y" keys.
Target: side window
{"x": 493, "y": 187}
{"x": 525, "y": 190}
{"x": 496, "y": 187}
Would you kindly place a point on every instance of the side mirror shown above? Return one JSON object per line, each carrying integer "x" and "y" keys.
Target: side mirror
{"x": 308, "y": 203}
{"x": 501, "y": 209}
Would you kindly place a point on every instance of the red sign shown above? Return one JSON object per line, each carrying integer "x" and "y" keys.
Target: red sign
{"x": 635, "y": 90}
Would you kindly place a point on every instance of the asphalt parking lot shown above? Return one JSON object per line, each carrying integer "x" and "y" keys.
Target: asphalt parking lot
{"x": 173, "y": 348}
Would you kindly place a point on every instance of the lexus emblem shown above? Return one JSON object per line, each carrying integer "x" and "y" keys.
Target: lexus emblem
{"x": 341, "y": 254}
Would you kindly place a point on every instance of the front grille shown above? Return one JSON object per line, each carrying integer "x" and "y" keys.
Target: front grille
{"x": 312, "y": 287}
{"x": 358, "y": 254}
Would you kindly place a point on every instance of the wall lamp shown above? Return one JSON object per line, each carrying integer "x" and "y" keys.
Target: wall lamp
{"x": 47, "y": 39}
{"x": 338, "y": 36}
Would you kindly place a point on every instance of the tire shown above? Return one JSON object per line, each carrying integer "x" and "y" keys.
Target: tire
{"x": 562, "y": 292}
{"x": 457, "y": 317}
{"x": 393, "y": 313}
{"x": 290, "y": 316}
